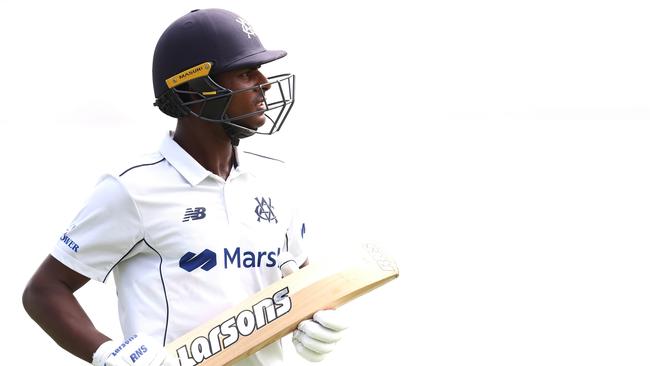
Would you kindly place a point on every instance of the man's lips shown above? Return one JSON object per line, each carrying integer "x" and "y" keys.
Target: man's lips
{"x": 260, "y": 104}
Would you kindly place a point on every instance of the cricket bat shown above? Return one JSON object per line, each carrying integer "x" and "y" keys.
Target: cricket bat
{"x": 276, "y": 311}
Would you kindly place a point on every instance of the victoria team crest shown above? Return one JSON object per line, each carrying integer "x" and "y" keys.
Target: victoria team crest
{"x": 264, "y": 210}
{"x": 246, "y": 28}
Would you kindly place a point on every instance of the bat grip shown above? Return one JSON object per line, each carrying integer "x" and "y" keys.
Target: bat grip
{"x": 287, "y": 264}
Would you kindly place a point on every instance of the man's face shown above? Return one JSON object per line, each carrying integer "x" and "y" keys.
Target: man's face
{"x": 245, "y": 102}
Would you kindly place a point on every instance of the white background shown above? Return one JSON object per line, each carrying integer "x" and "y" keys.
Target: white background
{"x": 500, "y": 149}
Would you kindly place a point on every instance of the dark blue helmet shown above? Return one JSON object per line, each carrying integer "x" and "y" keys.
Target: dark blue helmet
{"x": 205, "y": 43}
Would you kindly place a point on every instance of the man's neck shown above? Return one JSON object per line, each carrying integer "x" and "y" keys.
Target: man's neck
{"x": 207, "y": 143}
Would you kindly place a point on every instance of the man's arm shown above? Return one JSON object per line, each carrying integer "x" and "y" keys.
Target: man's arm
{"x": 49, "y": 300}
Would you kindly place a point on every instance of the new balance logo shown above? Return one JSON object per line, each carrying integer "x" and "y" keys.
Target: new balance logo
{"x": 207, "y": 259}
{"x": 197, "y": 213}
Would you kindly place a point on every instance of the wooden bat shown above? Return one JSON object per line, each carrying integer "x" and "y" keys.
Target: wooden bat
{"x": 276, "y": 310}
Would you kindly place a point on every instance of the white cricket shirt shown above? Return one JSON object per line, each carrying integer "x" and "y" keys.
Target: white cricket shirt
{"x": 182, "y": 243}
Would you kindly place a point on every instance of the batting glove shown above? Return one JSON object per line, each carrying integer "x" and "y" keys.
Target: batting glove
{"x": 137, "y": 350}
{"x": 315, "y": 337}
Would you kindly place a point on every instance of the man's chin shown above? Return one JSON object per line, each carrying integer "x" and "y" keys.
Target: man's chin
{"x": 253, "y": 125}
{"x": 256, "y": 122}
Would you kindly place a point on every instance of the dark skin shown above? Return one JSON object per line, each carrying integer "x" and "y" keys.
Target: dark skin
{"x": 50, "y": 291}
{"x": 49, "y": 296}
{"x": 207, "y": 142}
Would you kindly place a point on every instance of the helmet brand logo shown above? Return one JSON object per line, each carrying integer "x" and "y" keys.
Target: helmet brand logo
{"x": 246, "y": 28}
{"x": 189, "y": 74}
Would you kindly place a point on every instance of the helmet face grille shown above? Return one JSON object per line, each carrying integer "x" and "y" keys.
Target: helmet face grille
{"x": 209, "y": 101}
{"x": 278, "y": 96}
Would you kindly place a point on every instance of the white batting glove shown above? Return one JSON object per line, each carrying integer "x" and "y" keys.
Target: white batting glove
{"x": 137, "y": 350}
{"x": 315, "y": 337}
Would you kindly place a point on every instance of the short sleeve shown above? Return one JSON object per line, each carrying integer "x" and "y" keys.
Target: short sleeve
{"x": 297, "y": 237}
{"x": 105, "y": 231}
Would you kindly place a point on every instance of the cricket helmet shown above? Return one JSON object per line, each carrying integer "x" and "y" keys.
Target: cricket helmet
{"x": 202, "y": 44}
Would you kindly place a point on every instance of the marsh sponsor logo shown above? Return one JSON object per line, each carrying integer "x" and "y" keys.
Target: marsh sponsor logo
{"x": 230, "y": 258}
{"x": 206, "y": 260}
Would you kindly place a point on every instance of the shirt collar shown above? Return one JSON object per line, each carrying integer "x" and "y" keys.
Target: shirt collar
{"x": 189, "y": 168}
{"x": 239, "y": 168}
{"x": 183, "y": 162}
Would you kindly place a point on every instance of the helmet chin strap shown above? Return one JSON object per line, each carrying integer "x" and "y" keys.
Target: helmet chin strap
{"x": 232, "y": 129}
{"x": 236, "y": 132}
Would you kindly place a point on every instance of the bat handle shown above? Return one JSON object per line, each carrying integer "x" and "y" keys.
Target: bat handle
{"x": 287, "y": 264}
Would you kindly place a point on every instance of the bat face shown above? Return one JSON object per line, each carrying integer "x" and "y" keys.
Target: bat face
{"x": 242, "y": 324}
{"x": 276, "y": 310}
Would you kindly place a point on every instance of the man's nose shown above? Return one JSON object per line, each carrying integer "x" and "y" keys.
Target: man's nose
{"x": 263, "y": 81}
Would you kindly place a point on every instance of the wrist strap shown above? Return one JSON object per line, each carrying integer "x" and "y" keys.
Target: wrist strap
{"x": 105, "y": 349}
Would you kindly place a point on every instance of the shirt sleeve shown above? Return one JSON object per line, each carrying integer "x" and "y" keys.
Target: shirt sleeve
{"x": 105, "y": 231}
{"x": 297, "y": 238}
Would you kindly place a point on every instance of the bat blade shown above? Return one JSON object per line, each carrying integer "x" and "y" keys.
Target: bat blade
{"x": 276, "y": 311}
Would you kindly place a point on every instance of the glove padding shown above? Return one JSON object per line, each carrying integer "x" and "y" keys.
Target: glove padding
{"x": 316, "y": 337}
{"x": 137, "y": 350}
